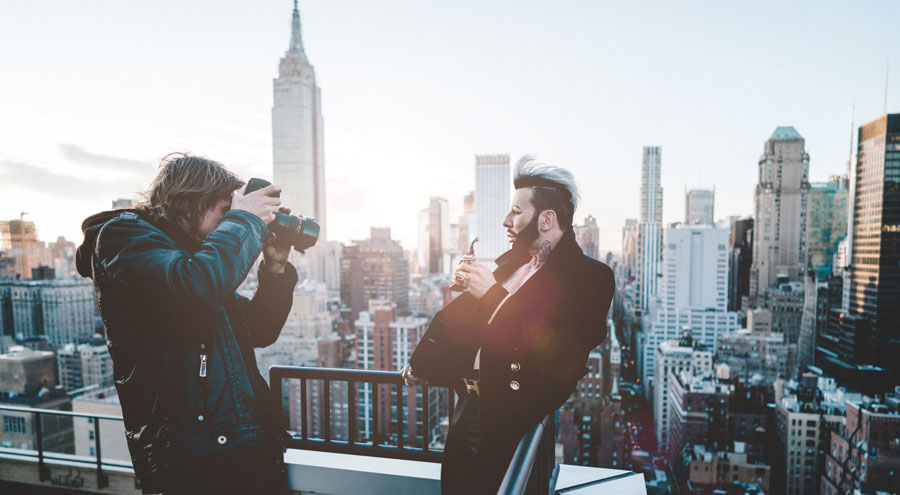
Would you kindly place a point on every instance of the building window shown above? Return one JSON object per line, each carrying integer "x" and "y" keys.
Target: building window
{"x": 13, "y": 424}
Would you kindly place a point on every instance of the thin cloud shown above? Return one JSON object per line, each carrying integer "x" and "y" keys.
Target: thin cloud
{"x": 18, "y": 174}
{"x": 81, "y": 156}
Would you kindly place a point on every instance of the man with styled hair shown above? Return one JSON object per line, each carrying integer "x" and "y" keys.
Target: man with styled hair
{"x": 515, "y": 344}
{"x": 197, "y": 413}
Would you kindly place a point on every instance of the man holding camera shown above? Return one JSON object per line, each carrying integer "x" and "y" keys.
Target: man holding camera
{"x": 516, "y": 343}
{"x": 198, "y": 415}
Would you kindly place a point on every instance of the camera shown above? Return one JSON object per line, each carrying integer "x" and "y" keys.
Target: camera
{"x": 300, "y": 232}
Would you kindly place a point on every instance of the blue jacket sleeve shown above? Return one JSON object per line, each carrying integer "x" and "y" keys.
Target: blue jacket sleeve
{"x": 138, "y": 255}
{"x": 268, "y": 310}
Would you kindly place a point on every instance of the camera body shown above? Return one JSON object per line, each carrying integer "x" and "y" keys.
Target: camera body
{"x": 300, "y": 232}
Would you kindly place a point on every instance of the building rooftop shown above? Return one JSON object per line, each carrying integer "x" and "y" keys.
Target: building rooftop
{"x": 785, "y": 132}
{"x": 21, "y": 353}
{"x": 106, "y": 395}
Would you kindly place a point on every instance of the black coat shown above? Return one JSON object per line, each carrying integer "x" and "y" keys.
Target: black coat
{"x": 534, "y": 348}
{"x": 167, "y": 300}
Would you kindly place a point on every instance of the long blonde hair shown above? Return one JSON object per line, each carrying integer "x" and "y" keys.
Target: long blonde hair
{"x": 185, "y": 187}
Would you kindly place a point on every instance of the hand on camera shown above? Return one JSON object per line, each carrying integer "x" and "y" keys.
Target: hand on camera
{"x": 479, "y": 278}
{"x": 276, "y": 254}
{"x": 262, "y": 203}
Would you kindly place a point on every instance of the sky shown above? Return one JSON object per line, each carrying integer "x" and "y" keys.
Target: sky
{"x": 93, "y": 94}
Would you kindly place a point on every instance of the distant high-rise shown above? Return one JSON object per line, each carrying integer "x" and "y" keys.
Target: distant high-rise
{"x": 779, "y": 212}
{"x": 692, "y": 295}
{"x": 629, "y": 247}
{"x": 673, "y": 357}
{"x": 867, "y": 333}
{"x": 84, "y": 365}
{"x": 298, "y": 146}
{"x": 122, "y": 203}
{"x": 587, "y": 235}
{"x": 466, "y": 223}
{"x": 741, "y": 260}
{"x": 827, "y": 223}
{"x": 60, "y": 310}
{"x": 649, "y": 227}
{"x": 492, "y": 201}
{"x": 375, "y": 268}
{"x": 699, "y": 207}
{"x": 438, "y": 234}
{"x": 385, "y": 341}
{"x": 19, "y": 241}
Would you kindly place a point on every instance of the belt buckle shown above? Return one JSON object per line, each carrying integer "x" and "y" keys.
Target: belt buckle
{"x": 471, "y": 385}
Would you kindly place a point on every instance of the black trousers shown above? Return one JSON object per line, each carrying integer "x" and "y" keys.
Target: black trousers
{"x": 248, "y": 471}
{"x": 470, "y": 465}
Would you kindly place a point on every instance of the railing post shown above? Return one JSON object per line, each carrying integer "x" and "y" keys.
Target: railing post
{"x": 304, "y": 425}
{"x": 352, "y": 427}
{"x": 326, "y": 402}
{"x": 400, "y": 423}
{"x": 276, "y": 391}
{"x": 102, "y": 479}
{"x": 375, "y": 412}
{"x": 426, "y": 410}
{"x": 43, "y": 470}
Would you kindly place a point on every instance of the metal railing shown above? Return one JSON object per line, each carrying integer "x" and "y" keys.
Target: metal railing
{"x": 42, "y": 455}
{"x": 376, "y": 448}
{"x": 532, "y": 469}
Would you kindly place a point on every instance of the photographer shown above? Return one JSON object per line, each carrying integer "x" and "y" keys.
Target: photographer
{"x": 197, "y": 413}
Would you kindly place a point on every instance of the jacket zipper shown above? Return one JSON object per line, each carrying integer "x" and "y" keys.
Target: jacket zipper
{"x": 201, "y": 389}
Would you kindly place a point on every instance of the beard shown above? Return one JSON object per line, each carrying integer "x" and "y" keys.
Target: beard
{"x": 527, "y": 236}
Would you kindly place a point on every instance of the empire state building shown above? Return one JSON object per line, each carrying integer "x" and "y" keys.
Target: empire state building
{"x": 297, "y": 139}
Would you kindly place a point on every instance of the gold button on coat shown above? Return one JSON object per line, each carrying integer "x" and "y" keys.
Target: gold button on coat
{"x": 514, "y": 385}
{"x": 515, "y": 366}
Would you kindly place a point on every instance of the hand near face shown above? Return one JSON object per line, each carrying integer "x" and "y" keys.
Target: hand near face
{"x": 276, "y": 254}
{"x": 479, "y": 276}
{"x": 262, "y": 203}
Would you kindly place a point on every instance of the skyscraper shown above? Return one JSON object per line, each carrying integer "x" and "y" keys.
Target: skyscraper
{"x": 629, "y": 248}
{"x": 385, "y": 341}
{"x": 375, "y": 268}
{"x": 650, "y": 226}
{"x": 866, "y": 336}
{"x": 692, "y": 296}
{"x": 587, "y": 235}
{"x": 827, "y": 223}
{"x": 492, "y": 201}
{"x": 741, "y": 260}
{"x": 779, "y": 228}
{"x": 298, "y": 154}
{"x": 60, "y": 310}
{"x": 699, "y": 207}
{"x": 466, "y": 223}
{"x": 438, "y": 234}
{"x": 19, "y": 241}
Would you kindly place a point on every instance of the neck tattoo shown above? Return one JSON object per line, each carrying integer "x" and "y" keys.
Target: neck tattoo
{"x": 542, "y": 255}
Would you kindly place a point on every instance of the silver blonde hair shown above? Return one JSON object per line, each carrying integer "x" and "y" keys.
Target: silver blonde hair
{"x": 531, "y": 173}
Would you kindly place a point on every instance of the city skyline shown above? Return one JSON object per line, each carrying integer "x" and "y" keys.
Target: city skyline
{"x": 151, "y": 82}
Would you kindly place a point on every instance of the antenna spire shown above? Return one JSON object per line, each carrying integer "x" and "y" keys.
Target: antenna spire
{"x": 887, "y": 66}
{"x": 296, "y": 48}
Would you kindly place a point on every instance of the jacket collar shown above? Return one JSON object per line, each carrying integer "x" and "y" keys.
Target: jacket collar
{"x": 175, "y": 232}
{"x": 563, "y": 255}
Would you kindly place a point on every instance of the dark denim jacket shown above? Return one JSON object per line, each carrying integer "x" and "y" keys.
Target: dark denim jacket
{"x": 181, "y": 339}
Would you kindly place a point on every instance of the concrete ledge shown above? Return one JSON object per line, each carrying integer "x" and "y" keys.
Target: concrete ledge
{"x": 344, "y": 474}
{"x": 326, "y": 473}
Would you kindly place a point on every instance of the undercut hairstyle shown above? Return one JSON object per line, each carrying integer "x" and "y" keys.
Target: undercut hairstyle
{"x": 186, "y": 187}
{"x": 553, "y": 188}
